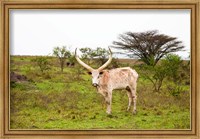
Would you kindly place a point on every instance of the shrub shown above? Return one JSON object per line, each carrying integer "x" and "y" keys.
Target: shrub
{"x": 175, "y": 90}
{"x": 61, "y": 53}
{"x": 168, "y": 67}
{"x": 43, "y": 63}
{"x": 155, "y": 75}
{"x": 173, "y": 63}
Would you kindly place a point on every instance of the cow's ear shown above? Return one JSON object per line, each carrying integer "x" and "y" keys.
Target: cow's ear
{"x": 101, "y": 72}
{"x": 89, "y": 72}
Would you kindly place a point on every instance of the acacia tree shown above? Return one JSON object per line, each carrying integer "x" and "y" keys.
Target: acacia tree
{"x": 149, "y": 46}
{"x": 62, "y": 53}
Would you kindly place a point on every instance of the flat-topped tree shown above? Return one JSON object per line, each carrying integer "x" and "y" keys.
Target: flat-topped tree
{"x": 149, "y": 46}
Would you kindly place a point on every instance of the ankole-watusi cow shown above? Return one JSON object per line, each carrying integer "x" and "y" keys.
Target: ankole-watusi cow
{"x": 108, "y": 80}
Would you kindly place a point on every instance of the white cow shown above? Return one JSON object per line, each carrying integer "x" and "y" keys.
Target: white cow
{"x": 108, "y": 80}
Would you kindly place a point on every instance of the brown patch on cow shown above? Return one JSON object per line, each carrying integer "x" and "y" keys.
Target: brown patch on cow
{"x": 124, "y": 70}
{"x": 134, "y": 97}
{"x": 105, "y": 77}
{"x": 107, "y": 102}
{"x": 128, "y": 88}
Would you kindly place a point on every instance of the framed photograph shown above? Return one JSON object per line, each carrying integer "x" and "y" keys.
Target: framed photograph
{"x": 114, "y": 69}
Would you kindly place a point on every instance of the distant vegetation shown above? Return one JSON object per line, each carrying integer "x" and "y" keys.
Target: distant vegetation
{"x": 55, "y": 92}
{"x": 61, "y": 53}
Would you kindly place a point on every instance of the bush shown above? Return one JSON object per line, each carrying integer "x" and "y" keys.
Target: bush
{"x": 173, "y": 63}
{"x": 61, "y": 53}
{"x": 43, "y": 63}
{"x": 155, "y": 75}
{"x": 168, "y": 68}
{"x": 176, "y": 90}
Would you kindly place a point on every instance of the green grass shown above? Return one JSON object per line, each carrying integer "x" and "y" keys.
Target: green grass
{"x": 55, "y": 100}
{"x": 144, "y": 119}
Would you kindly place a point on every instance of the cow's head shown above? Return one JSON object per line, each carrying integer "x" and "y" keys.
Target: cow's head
{"x": 96, "y": 73}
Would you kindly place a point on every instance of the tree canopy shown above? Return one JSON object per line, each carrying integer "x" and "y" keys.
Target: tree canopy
{"x": 149, "y": 46}
{"x": 101, "y": 54}
{"x": 61, "y": 53}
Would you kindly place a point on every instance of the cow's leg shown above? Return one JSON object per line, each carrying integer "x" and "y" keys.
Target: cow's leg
{"x": 108, "y": 99}
{"x": 129, "y": 99}
{"x": 134, "y": 104}
{"x": 134, "y": 98}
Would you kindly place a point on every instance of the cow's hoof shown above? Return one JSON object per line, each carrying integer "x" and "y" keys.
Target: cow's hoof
{"x": 127, "y": 109}
{"x": 134, "y": 112}
{"x": 108, "y": 112}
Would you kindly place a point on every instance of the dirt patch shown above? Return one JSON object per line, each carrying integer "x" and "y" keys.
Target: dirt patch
{"x": 17, "y": 77}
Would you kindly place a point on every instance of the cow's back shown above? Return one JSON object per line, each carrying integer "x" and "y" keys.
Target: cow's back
{"x": 120, "y": 77}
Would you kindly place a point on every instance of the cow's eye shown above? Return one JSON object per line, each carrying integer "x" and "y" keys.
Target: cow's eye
{"x": 89, "y": 72}
{"x": 101, "y": 72}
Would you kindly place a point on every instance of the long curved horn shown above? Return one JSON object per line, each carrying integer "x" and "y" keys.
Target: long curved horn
{"x": 107, "y": 63}
{"x": 82, "y": 63}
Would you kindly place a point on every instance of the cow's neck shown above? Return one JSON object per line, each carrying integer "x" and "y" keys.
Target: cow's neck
{"x": 103, "y": 83}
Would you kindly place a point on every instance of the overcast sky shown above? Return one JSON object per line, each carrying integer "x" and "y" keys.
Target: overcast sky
{"x": 37, "y": 32}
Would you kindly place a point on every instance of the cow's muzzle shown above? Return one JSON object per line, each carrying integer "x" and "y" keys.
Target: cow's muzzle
{"x": 95, "y": 84}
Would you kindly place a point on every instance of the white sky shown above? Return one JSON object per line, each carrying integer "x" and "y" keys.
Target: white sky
{"x": 37, "y": 32}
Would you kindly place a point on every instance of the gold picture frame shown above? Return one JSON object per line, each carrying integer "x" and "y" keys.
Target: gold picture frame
{"x": 193, "y": 5}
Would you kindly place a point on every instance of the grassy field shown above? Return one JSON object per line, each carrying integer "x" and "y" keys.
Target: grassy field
{"x": 55, "y": 100}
